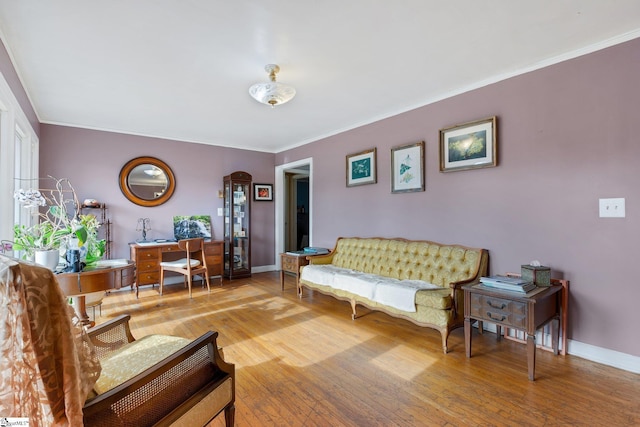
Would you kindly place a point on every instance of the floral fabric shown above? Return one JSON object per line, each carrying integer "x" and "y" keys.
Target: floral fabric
{"x": 47, "y": 364}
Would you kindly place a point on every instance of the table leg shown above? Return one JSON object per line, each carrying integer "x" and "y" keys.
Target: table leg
{"x": 467, "y": 336}
{"x": 282, "y": 278}
{"x": 555, "y": 335}
{"x": 78, "y": 303}
{"x": 531, "y": 355}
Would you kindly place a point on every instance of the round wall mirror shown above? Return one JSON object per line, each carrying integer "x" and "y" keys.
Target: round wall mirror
{"x": 147, "y": 181}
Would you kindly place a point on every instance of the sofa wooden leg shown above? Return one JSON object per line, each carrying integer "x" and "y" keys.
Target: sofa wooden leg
{"x": 445, "y": 337}
{"x": 354, "y": 315}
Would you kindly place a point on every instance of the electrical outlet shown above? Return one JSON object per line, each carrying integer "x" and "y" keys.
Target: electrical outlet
{"x": 612, "y": 208}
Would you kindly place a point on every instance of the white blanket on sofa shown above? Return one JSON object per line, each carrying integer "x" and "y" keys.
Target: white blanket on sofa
{"x": 400, "y": 294}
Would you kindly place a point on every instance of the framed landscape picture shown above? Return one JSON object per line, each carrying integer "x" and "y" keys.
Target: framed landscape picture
{"x": 470, "y": 145}
{"x": 263, "y": 192}
{"x": 407, "y": 168}
{"x": 361, "y": 168}
{"x": 191, "y": 226}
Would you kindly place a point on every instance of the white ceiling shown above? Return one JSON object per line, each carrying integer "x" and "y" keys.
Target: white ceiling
{"x": 181, "y": 69}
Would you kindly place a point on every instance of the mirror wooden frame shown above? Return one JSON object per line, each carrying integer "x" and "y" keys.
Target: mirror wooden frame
{"x": 131, "y": 196}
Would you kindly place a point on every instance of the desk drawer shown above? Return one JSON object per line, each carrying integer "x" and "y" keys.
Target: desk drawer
{"x": 498, "y": 310}
{"x": 147, "y": 254}
{"x": 211, "y": 249}
{"x": 147, "y": 265}
{"x": 148, "y": 277}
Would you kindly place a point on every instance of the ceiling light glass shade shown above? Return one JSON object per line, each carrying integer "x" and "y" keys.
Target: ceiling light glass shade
{"x": 272, "y": 93}
{"x": 152, "y": 172}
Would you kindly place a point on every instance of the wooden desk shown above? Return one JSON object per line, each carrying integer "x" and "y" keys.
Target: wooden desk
{"x": 106, "y": 275}
{"x": 149, "y": 256}
{"x": 515, "y": 311}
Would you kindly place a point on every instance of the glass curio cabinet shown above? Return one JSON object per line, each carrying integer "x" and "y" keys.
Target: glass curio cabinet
{"x": 237, "y": 218}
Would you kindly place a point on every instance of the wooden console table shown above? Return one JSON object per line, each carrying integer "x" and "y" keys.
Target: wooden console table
{"x": 148, "y": 257}
{"x": 515, "y": 311}
{"x": 108, "y": 274}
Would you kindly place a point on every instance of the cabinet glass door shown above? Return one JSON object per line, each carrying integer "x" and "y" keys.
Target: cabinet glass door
{"x": 227, "y": 224}
{"x": 240, "y": 228}
{"x": 237, "y": 239}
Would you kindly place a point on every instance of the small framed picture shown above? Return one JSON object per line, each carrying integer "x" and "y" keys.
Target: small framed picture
{"x": 407, "y": 168}
{"x": 470, "y": 145}
{"x": 361, "y": 168}
{"x": 263, "y": 192}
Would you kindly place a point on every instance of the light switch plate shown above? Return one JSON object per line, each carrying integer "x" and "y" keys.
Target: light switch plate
{"x": 612, "y": 208}
{"x": 219, "y": 211}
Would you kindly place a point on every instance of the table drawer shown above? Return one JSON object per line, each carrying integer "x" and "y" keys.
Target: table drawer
{"x": 498, "y": 310}
{"x": 289, "y": 265}
{"x": 506, "y": 319}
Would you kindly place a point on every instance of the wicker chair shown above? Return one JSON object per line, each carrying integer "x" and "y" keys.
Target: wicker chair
{"x": 190, "y": 387}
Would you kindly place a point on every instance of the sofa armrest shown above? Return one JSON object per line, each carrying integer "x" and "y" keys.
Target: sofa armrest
{"x": 456, "y": 287}
{"x": 111, "y": 335}
{"x": 321, "y": 259}
{"x": 166, "y": 388}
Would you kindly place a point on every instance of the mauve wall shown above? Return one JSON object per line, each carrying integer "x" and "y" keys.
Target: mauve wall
{"x": 567, "y": 136}
{"x": 10, "y": 75}
{"x": 92, "y": 161}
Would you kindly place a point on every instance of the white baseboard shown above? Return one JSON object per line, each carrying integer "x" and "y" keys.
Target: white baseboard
{"x": 263, "y": 268}
{"x": 605, "y": 356}
{"x": 593, "y": 353}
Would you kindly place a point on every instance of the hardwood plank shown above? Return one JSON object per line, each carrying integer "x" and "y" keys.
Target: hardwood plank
{"x": 304, "y": 362}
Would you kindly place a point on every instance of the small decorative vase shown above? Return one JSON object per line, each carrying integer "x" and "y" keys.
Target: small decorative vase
{"x": 48, "y": 258}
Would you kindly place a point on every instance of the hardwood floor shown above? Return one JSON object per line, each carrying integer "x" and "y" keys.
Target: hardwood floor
{"x": 306, "y": 363}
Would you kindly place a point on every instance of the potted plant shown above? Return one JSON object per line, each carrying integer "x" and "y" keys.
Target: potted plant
{"x": 60, "y": 225}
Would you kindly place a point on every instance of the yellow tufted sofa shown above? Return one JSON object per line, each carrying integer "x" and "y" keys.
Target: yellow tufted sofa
{"x": 449, "y": 267}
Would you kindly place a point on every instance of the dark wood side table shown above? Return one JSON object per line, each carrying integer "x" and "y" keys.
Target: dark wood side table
{"x": 509, "y": 309}
{"x": 291, "y": 263}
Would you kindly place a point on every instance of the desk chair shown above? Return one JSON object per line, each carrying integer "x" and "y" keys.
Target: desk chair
{"x": 194, "y": 264}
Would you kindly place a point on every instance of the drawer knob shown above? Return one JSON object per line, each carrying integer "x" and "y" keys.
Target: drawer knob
{"x": 490, "y": 315}
{"x": 498, "y": 306}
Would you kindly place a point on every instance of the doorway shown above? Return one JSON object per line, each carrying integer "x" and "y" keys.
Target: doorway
{"x": 294, "y": 206}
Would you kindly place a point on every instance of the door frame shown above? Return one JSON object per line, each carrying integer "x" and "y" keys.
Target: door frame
{"x": 280, "y": 201}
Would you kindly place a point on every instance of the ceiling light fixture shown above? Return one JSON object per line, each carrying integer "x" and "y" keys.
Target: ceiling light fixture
{"x": 153, "y": 172}
{"x": 272, "y": 93}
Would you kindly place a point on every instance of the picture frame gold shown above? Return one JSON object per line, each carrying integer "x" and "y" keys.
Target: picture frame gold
{"x": 471, "y": 145}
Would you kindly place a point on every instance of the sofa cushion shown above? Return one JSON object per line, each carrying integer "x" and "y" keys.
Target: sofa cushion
{"x": 383, "y": 290}
{"x": 134, "y": 358}
{"x": 437, "y": 298}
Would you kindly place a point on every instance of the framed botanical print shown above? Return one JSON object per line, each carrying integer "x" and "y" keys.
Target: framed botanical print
{"x": 407, "y": 168}
{"x": 361, "y": 168}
